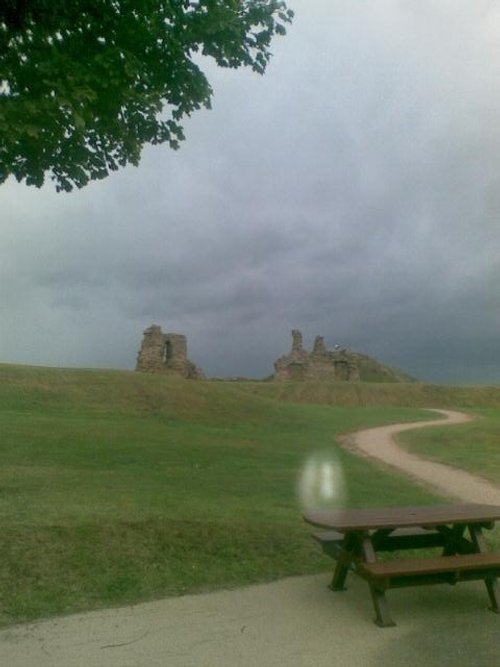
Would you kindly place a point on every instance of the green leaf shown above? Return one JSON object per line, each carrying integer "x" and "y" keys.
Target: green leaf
{"x": 90, "y": 82}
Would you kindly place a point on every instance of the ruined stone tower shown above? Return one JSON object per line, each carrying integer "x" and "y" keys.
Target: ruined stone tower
{"x": 320, "y": 364}
{"x": 165, "y": 353}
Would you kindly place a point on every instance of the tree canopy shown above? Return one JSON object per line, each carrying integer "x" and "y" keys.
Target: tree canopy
{"x": 85, "y": 84}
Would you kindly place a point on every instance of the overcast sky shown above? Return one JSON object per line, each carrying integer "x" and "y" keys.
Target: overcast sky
{"x": 352, "y": 192}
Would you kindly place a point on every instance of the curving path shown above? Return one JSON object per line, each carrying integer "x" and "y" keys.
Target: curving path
{"x": 295, "y": 621}
{"x": 378, "y": 443}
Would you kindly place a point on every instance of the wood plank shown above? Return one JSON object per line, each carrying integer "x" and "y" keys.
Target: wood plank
{"x": 399, "y": 517}
{"x": 335, "y": 535}
{"x": 332, "y": 541}
{"x": 416, "y": 566}
{"x": 328, "y": 536}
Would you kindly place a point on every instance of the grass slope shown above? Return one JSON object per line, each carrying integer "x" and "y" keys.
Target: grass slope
{"x": 362, "y": 394}
{"x": 474, "y": 446}
{"x": 372, "y": 370}
{"x": 117, "y": 487}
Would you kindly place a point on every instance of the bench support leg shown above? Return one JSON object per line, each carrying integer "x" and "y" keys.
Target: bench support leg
{"x": 382, "y": 616}
{"x": 491, "y": 583}
{"x": 493, "y": 593}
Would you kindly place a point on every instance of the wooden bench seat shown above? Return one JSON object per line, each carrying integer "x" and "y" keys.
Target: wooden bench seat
{"x": 328, "y": 536}
{"x": 443, "y": 569}
{"x": 334, "y": 535}
{"x": 400, "y": 538}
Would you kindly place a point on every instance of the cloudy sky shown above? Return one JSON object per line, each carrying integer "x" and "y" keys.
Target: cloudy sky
{"x": 351, "y": 192}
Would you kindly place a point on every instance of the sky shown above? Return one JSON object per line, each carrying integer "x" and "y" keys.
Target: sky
{"x": 352, "y": 192}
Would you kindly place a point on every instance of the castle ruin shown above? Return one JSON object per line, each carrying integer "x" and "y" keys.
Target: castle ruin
{"x": 320, "y": 364}
{"x": 165, "y": 353}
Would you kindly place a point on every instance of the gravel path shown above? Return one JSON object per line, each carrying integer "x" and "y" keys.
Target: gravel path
{"x": 378, "y": 443}
{"x": 296, "y": 622}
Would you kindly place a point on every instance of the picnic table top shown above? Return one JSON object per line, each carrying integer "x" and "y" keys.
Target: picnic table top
{"x": 399, "y": 517}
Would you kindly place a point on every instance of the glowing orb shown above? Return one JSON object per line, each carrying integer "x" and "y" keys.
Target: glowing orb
{"x": 321, "y": 484}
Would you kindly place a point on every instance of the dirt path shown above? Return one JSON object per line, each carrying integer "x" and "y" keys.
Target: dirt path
{"x": 296, "y": 622}
{"x": 378, "y": 443}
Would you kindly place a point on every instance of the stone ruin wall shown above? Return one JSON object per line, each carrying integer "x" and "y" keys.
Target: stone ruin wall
{"x": 320, "y": 364}
{"x": 165, "y": 353}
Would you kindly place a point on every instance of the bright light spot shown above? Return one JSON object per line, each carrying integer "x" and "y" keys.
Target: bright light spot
{"x": 327, "y": 476}
{"x": 321, "y": 484}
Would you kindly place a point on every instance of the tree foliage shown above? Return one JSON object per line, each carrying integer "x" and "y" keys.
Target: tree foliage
{"x": 85, "y": 84}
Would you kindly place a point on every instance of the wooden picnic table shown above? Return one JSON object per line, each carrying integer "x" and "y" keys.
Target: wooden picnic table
{"x": 354, "y": 537}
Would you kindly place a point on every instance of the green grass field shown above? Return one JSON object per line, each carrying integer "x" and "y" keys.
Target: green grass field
{"x": 474, "y": 446}
{"x": 117, "y": 487}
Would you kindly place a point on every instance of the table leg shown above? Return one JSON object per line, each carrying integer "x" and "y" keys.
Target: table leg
{"x": 491, "y": 583}
{"x": 343, "y": 561}
{"x": 454, "y": 541}
{"x": 339, "y": 577}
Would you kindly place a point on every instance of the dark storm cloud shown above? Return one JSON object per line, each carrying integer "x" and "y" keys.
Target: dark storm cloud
{"x": 352, "y": 192}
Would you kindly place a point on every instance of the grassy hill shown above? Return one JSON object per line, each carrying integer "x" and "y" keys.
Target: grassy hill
{"x": 117, "y": 487}
{"x": 363, "y": 394}
{"x": 372, "y": 370}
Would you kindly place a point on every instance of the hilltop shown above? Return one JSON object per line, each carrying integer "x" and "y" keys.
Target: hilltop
{"x": 118, "y": 486}
{"x": 44, "y": 387}
{"x": 340, "y": 364}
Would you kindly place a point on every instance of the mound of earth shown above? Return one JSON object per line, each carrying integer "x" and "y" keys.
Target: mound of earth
{"x": 339, "y": 364}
